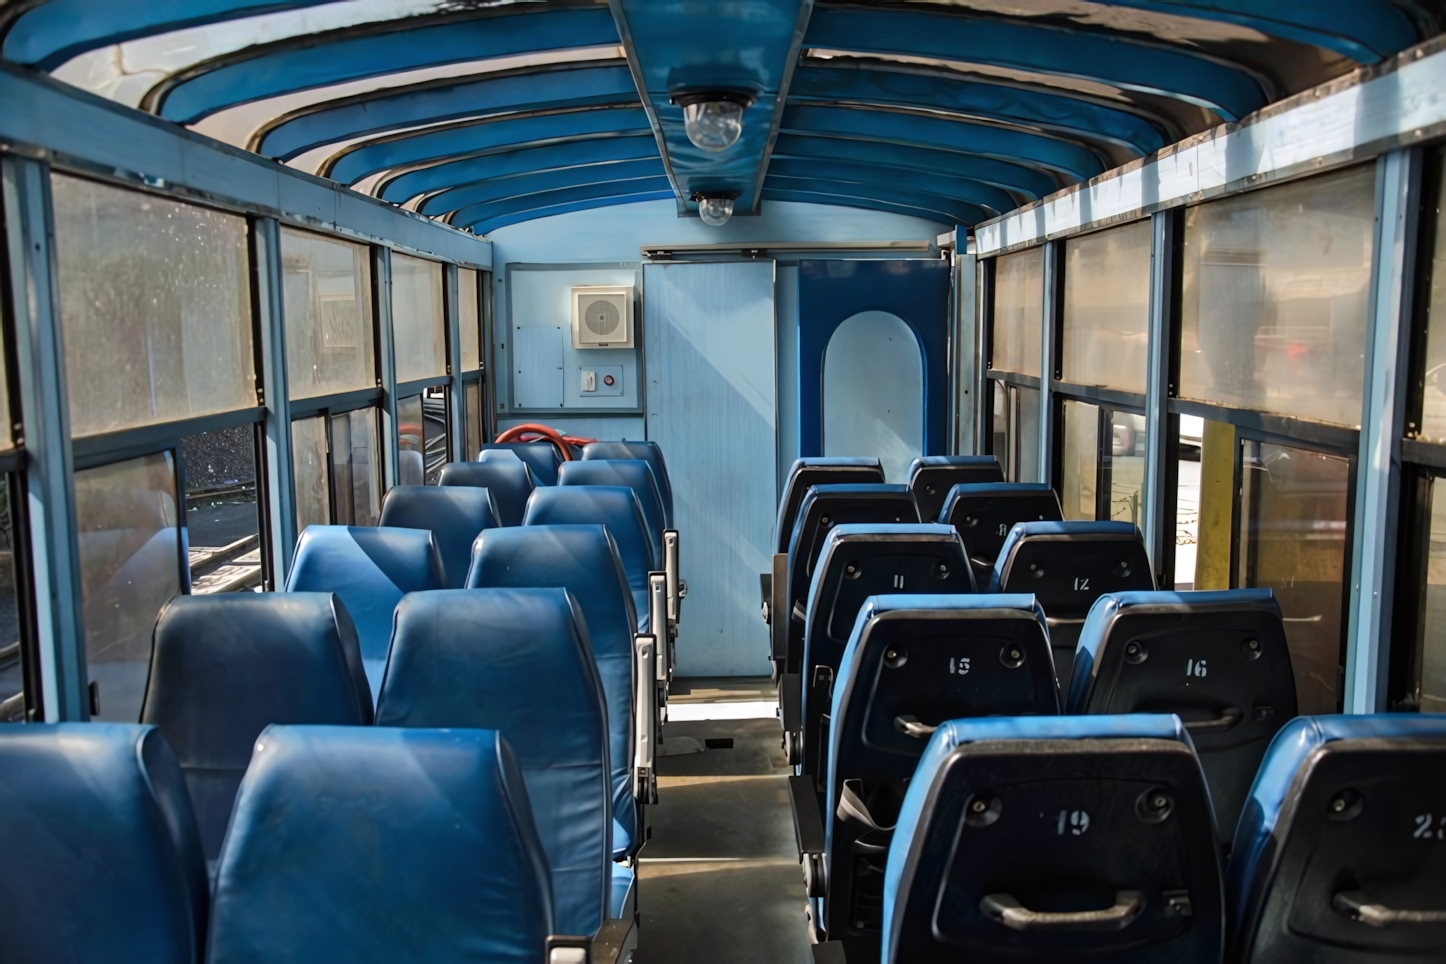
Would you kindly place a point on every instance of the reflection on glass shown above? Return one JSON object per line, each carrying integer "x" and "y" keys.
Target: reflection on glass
{"x": 469, "y": 319}
{"x": 411, "y": 457}
{"x": 355, "y": 468}
{"x": 473, "y": 394}
{"x": 1107, "y": 307}
{"x": 434, "y": 431}
{"x": 1187, "y": 500}
{"x": 419, "y": 329}
{"x": 1027, "y": 435}
{"x": 223, "y": 528}
{"x": 1081, "y": 460}
{"x": 1293, "y": 540}
{"x": 1018, "y": 312}
{"x": 1001, "y": 403}
{"x": 1016, "y": 431}
{"x": 1433, "y": 618}
{"x": 1275, "y": 289}
{"x": 308, "y": 455}
{"x": 1433, "y": 409}
{"x": 329, "y": 336}
{"x": 12, "y": 678}
{"x": 1124, "y": 468}
{"x": 130, "y": 555}
{"x": 155, "y": 303}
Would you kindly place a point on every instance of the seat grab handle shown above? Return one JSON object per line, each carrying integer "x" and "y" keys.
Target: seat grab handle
{"x": 1006, "y": 910}
{"x": 1227, "y": 719}
{"x": 911, "y": 726}
{"x": 1352, "y": 904}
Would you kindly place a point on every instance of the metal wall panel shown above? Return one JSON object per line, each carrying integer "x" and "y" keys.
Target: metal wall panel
{"x": 709, "y": 336}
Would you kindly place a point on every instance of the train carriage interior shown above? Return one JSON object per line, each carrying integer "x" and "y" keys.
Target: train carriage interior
{"x": 769, "y": 481}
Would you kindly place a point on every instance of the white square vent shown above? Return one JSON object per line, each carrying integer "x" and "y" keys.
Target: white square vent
{"x": 602, "y": 316}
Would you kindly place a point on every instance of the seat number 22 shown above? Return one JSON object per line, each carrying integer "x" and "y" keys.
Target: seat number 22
{"x": 1428, "y": 828}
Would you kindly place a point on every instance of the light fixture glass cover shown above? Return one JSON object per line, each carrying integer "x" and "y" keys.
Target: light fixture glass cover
{"x": 713, "y": 125}
{"x": 715, "y": 210}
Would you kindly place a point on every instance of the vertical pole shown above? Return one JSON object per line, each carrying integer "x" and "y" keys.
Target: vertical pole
{"x": 966, "y": 346}
{"x": 280, "y": 469}
{"x": 1378, "y": 467}
{"x": 1156, "y": 527}
{"x": 456, "y": 393}
{"x": 983, "y": 320}
{"x": 386, "y": 364}
{"x": 45, "y": 414}
{"x": 1053, "y": 251}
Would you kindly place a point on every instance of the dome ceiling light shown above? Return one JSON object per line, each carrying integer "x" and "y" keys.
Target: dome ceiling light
{"x": 713, "y": 119}
{"x": 715, "y": 207}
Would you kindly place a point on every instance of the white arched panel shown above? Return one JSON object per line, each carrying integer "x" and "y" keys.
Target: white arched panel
{"x": 873, "y": 392}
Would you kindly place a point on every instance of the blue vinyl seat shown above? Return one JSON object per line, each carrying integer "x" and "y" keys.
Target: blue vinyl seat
{"x": 1045, "y": 839}
{"x": 613, "y": 506}
{"x": 372, "y": 845}
{"x": 859, "y": 561}
{"x": 1338, "y": 855}
{"x": 931, "y": 477}
{"x": 636, "y": 475}
{"x": 985, "y": 512}
{"x": 817, "y": 470}
{"x": 509, "y": 481}
{"x": 584, "y": 561}
{"x": 649, "y": 452}
{"x": 541, "y": 458}
{"x": 912, "y": 664}
{"x": 370, "y": 568}
{"x": 1067, "y": 566}
{"x": 1217, "y": 660}
{"x": 226, "y": 666}
{"x": 454, "y": 515}
{"x": 519, "y": 661}
{"x": 102, "y": 861}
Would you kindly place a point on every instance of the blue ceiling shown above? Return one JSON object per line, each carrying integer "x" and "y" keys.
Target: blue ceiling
{"x": 953, "y": 111}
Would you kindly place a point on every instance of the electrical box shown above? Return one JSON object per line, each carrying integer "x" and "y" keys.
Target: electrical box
{"x": 601, "y": 380}
{"x": 602, "y": 316}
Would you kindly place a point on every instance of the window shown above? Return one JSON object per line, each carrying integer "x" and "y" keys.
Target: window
{"x": 473, "y": 394}
{"x": 1018, "y": 312}
{"x": 12, "y": 639}
{"x": 1016, "y": 431}
{"x": 1105, "y": 322}
{"x": 1275, "y": 291}
{"x": 1432, "y": 423}
{"x": 419, "y": 329}
{"x": 469, "y": 319}
{"x": 1103, "y": 473}
{"x": 223, "y": 527}
{"x": 330, "y": 336}
{"x": 1430, "y": 695}
{"x": 422, "y": 437}
{"x": 155, "y": 306}
{"x": 309, "y": 462}
{"x": 1081, "y": 460}
{"x": 355, "y": 467}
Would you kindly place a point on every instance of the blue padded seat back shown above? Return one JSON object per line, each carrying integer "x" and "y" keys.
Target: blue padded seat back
{"x": 541, "y": 458}
{"x": 859, "y": 561}
{"x": 454, "y": 515}
{"x": 613, "y": 506}
{"x": 985, "y": 512}
{"x": 371, "y": 844}
{"x": 584, "y": 561}
{"x": 914, "y": 660}
{"x": 1217, "y": 660}
{"x": 634, "y": 474}
{"x": 931, "y": 477}
{"x": 100, "y": 848}
{"x": 1340, "y": 840}
{"x": 518, "y": 661}
{"x": 1068, "y": 565}
{"x": 370, "y": 568}
{"x": 226, "y": 666}
{"x": 817, "y": 470}
{"x": 508, "y": 480}
{"x": 1008, "y": 819}
{"x": 649, "y": 452}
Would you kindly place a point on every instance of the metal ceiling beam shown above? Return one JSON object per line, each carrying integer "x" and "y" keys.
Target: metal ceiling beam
{"x": 868, "y": 204}
{"x": 962, "y": 211}
{"x": 538, "y": 182}
{"x": 473, "y": 215}
{"x": 984, "y": 196}
{"x": 515, "y": 217}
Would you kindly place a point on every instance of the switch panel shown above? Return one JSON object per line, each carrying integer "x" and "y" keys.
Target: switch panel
{"x": 602, "y": 380}
{"x": 589, "y": 380}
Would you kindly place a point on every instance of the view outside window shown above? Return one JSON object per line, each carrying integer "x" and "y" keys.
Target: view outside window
{"x": 309, "y": 458}
{"x": 422, "y": 437}
{"x": 330, "y": 337}
{"x": 473, "y": 394}
{"x": 155, "y": 304}
{"x": 419, "y": 328}
{"x": 1018, "y": 312}
{"x": 1433, "y": 408}
{"x": 469, "y": 319}
{"x": 356, "y": 467}
{"x": 12, "y": 679}
{"x": 1433, "y": 612}
{"x": 1106, "y": 317}
{"x": 223, "y": 526}
{"x": 1016, "y": 431}
{"x": 1124, "y": 467}
{"x": 1081, "y": 460}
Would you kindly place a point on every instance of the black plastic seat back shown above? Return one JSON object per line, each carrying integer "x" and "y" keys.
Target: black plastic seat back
{"x": 984, "y": 513}
{"x": 931, "y": 477}
{"x": 1340, "y": 854}
{"x": 1217, "y": 660}
{"x": 913, "y": 663}
{"x": 1067, "y": 566}
{"x": 1044, "y": 839}
{"x": 809, "y": 472}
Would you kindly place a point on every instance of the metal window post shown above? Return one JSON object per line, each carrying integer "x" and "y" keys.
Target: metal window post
{"x": 1053, "y": 251}
{"x": 386, "y": 364}
{"x": 966, "y": 346}
{"x": 456, "y": 391}
{"x": 983, "y": 326}
{"x": 1157, "y": 528}
{"x": 45, "y": 414}
{"x": 1378, "y": 480}
{"x": 280, "y": 468}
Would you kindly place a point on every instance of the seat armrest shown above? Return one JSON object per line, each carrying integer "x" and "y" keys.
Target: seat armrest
{"x": 807, "y": 822}
{"x": 830, "y": 952}
{"x": 658, "y": 621}
{"x": 778, "y": 607}
{"x": 765, "y": 594}
{"x": 645, "y": 718}
{"x": 615, "y": 942}
{"x": 670, "y": 568}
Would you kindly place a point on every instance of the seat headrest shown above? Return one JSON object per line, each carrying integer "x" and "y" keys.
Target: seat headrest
{"x": 507, "y": 479}
{"x": 834, "y": 462}
{"x": 950, "y": 462}
{"x": 100, "y": 846}
{"x": 633, "y": 473}
{"x": 649, "y": 452}
{"x": 966, "y": 491}
{"x": 1070, "y": 564}
{"x": 541, "y": 458}
{"x": 614, "y": 506}
{"x": 873, "y": 498}
{"x": 453, "y": 514}
{"x": 891, "y": 533}
{"x": 346, "y": 839}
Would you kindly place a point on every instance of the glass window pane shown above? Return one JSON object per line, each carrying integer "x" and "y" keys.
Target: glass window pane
{"x": 473, "y": 392}
{"x": 1107, "y": 308}
{"x": 155, "y": 304}
{"x": 1018, "y": 312}
{"x": 999, "y": 431}
{"x": 1433, "y": 615}
{"x": 418, "y": 326}
{"x": 1124, "y": 468}
{"x": 12, "y": 676}
{"x": 356, "y": 468}
{"x": 1293, "y": 540}
{"x": 411, "y": 447}
{"x": 329, "y": 331}
{"x": 1081, "y": 460}
{"x": 469, "y": 320}
{"x": 1026, "y": 432}
{"x": 1204, "y": 504}
{"x": 1275, "y": 290}
{"x": 308, "y": 455}
{"x": 1016, "y": 431}
{"x": 1433, "y": 409}
{"x": 223, "y": 528}
{"x": 130, "y": 557}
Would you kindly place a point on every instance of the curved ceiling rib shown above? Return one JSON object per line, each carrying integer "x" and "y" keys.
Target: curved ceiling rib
{"x": 539, "y": 182}
{"x": 531, "y": 203}
{"x": 563, "y": 207}
{"x": 962, "y": 211}
{"x": 867, "y": 202}
{"x": 985, "y": 196}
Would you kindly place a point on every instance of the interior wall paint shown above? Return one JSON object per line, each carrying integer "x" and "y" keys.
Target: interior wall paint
{"x": 873, "y": 392}
{"x": 785, "y": 294}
